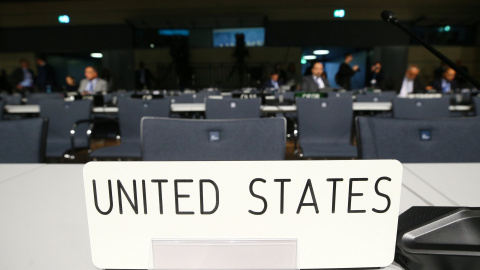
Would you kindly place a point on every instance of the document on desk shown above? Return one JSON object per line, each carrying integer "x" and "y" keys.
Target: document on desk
{"x": 343, "y": 213}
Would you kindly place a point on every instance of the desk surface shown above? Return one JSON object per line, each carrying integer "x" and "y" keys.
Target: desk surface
{"x": 44, "y": 222}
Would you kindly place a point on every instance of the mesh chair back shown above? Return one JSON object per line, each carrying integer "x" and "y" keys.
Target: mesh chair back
{"x": 325, "y": 120}
{"x": 232, "y": 108}
{"x": 421, "y": 108}
{"x": 242, "y": 139}
{"x": 476, "y": 105}
{"x": 35, "y": 98}
{"x": 131, "y": 111}
{"x": 385, "y": 96}
{"x": 419, "y": 140}
{"x": 23, "y": 141}
{"x": 62, "y": 116}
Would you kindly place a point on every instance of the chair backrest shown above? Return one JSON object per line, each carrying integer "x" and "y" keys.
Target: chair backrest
{"x": 23, "y": 141}
{"x": 62, "y": 115}
{"x": 2, "y": 108}
{"x": 232, "y": 108}
{"x": 419, "y": 140}
{"x": 345, "y": 94}
{"x": 35, "y": 98}
{"x": 240, "y": 139}
{"x": 131, "y": 111}
{"x": 326, "y": 120}
{"x": 182, "y": 98}
{"x": 15, "y": 99}
{"x": 476, "y": 105}
{"x": 421, "y": 108}
{"x": 384, "y": 96}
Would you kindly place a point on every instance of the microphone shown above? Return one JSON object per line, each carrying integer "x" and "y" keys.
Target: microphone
{"x": 390, "y": 17}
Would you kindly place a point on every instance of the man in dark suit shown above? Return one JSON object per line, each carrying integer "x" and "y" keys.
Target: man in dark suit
{"x": 406, "y": 84}
{"x": 315, "y": 82}
{"x": 274, "y": 82}
{"x": 46, "y": 76}
{"x": 23, "y": 78}
{"x": 446, "y": 83}
{"x": 143, "y": 77}
{"x": 345, "y": 73}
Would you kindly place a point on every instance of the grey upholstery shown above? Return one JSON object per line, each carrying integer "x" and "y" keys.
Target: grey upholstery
{"x": 345, "y": 94}
{"x": 232, "y": 108}
{"x": 130, "y": 113}
{"x": 385, "y": 96}
{"x": 419, "y": 140}
{"x": 476, "y": 105}
{"x": 240, "y": 139}
{"x": 23, "y": 141}
{"x": 182, "y": 98}
{"x": 62, "y": 117}
{"x": 324, "y": 127}
{"x": 421, "y": 108}
{"x": 2, "y": 108}
{"x": 35, "y": 98}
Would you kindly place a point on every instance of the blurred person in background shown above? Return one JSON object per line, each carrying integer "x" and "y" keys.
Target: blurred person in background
{"x": 92, "y": 84}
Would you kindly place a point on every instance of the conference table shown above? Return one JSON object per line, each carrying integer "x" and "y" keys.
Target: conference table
{"x": 44, "y": 221}
{"x": 200, "y": 107}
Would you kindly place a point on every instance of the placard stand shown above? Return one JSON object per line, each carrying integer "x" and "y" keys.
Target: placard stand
{"x": 225, "y": 254}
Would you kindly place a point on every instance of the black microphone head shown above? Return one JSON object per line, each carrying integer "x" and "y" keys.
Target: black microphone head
{"x": 389, "y": 16}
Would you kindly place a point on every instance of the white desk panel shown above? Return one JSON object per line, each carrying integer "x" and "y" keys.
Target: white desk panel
{"x": 459, "y": 182}
{"x": 44, "y": 220}
{"x": 10, "y": 171}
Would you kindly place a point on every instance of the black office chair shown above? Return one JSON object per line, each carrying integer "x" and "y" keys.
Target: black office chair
{"x": 23, "y": 141}
{"x": 421, "y": 108}
{"x": 69, "y": 126}
{"x": 232, "y": 108}
{"x": 325, "y": 127}
{"x": 130, "y": 113}
{"x": 193, "y": 140}
{"x": 419, "y": 140}
{"x": 384, "y": 96}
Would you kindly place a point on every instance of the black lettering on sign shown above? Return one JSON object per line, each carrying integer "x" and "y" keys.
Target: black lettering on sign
{"x": 382, "y": 195}
{"x": 121, "y": 190}
{"x": 282, "y": 191}
{"x": 351, "y": 194}
{"x": 334, "y": 190}
{"x": 110, "y": 207}
{"x": 308, "y": 186}
{"x": 265, "y": 205}
{"x": 144, "y": 190}
{"x": 202, "y": 209}
{"x": 177, "y": 196}
{"x": 160, "y": 196}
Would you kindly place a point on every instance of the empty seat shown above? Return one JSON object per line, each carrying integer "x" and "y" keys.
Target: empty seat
{"x": 419, "y": 140}
{"x": 130, "y": 113}
{"x": 192, "y": 140}
{"x": 69, "y": 125}
{"x": 23, "y": 141}
{"x": 324, "y": 127}
{"x": 476, "y": 105}
{"x": 421, "y": 108}
{"x": 232, "y": 108}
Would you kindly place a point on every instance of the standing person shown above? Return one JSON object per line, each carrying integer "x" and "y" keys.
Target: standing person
{"x": 315, "y": 82}
{"x": 92, "y": 84}
{"x": 46, "y": 76}
{"x": 4, "y": 84}
{"x": 143, "y": 77}
{"x": 345, "y": 73}
{"x": 376, "y": 77}
{"x": 23, "y": 78}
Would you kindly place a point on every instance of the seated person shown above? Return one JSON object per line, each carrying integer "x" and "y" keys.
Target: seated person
{"x": 406, "y": 84}
{"x": 446, "y": 83}
{"x": 92, "y": 84}
{"x": 71, "y": 84}
{"x": 274, "y": 82}
{"x": 315, "y": 82}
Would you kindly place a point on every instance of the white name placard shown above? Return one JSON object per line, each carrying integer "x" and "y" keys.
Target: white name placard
{"x": 342, "y": 213}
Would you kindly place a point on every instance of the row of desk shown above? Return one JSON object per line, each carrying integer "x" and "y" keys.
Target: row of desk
{"x": 44, "y": 221}
{"x": 200, "y": 107}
